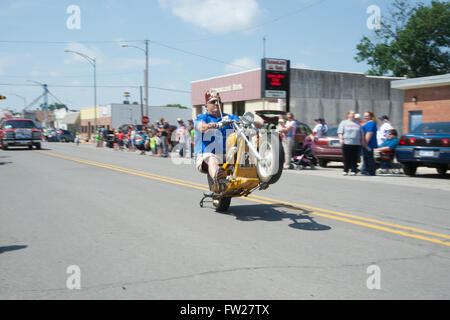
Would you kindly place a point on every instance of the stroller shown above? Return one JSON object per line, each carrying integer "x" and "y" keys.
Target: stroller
{"x": 303, "y": 156}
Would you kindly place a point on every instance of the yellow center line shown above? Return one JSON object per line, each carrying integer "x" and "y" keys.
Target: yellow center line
{"x": 330, "y": 214}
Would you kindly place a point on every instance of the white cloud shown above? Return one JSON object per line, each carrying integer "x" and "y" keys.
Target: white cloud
{"x": 242, "y": 64}
{"x": 218, "y": 16}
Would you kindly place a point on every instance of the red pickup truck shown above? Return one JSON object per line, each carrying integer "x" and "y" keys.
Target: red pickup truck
{"x": 19, "y": 132}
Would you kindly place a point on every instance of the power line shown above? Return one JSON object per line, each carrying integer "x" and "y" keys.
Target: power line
{"x": 67, "y": 42}
{"x": 90, "y": 86}
{"x": 197, "y": 55}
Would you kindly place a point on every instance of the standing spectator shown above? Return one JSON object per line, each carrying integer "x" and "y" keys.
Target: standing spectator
{"x": 181, "y": 138}
{"x": 281, "y": 125}
{"x": 77, "y": 138}
{"x": 164, "y": 130}
{"x": 321, "y": 128}
{"x": 351, "y": 137}
{"x": 288, "y": 145}
{"x": 120, "y": 139}
{"x": 46, "y": 134}
{"x": 133, "y": 138}
{"x": 159, "y": 144}
{"x": 370, "y": 133}
{"x": 384, "y": 128}
{"x": 152, "y": 143}
{"x": 104, "y": 135}
{"x": 190, "y": 142}
{"x": 98, "y": 138}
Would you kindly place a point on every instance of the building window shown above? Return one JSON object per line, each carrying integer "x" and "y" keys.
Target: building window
{"x": 415, "y": 118}
{"x": 239, "y": 108}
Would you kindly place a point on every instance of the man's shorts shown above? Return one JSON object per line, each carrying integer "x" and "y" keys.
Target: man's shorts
{"x": 201, "y": 164}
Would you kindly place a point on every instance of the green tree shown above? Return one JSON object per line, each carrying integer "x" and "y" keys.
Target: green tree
{"x": 55, "y": 106}
{"x": 176, "y": 106}
{"x": 411, "y": 41}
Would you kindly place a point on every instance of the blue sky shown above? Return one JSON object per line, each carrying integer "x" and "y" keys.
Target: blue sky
{"x": 189, "y": 40}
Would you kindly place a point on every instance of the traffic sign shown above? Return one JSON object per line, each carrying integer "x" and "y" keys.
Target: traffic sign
{"x": 145, "y": 120}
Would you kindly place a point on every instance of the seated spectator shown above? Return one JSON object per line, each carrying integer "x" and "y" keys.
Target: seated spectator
{"x": 387, "y": 150}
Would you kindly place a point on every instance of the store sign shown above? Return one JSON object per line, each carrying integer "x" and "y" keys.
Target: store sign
{"x": 275, "y": 78}
{"x": 233, "y": 87}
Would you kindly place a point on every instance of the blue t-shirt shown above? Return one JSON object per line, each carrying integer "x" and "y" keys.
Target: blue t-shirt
{"x": 206, "y": 142}
{"x": 392, "y": 143}
{"x": 371, "y": 126}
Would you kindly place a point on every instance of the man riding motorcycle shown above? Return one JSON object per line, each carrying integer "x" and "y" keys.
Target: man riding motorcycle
{"x": 210, "y": 139}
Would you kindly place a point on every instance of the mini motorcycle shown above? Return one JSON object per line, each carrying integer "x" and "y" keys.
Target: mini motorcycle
{"x": 253, "y": 160}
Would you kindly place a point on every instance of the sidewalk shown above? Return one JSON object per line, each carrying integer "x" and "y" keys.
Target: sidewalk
{"x": 426, "y": 177}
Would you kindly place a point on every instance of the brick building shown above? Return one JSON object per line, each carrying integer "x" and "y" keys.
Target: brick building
{"x": 426, "y": 99}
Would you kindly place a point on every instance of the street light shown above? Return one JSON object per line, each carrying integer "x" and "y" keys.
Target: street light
{"x": 146, "y": 70}
{"x": 93, "y": 64}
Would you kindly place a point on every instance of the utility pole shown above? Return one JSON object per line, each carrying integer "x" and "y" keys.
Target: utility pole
{"x": 264, "y": 47}
{"x": 146, "y": 77}
{"x": 142, "y": 107}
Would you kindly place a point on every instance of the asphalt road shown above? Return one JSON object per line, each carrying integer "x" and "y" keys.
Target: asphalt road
{"x": 133, "y": 227}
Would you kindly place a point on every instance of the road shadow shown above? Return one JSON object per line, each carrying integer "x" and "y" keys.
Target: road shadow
{"x": 277, "y": 212}
{"x": 4, "y": 162}
{"x": 11, "y": 248}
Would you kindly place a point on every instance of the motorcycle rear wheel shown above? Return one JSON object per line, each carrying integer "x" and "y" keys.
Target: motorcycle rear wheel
{"x": 221, "y": 204}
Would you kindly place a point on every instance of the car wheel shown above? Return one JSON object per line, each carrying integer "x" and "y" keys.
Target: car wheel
{"x": 409, "y": 169}
{"x": 30, "y": 147}
{"x": 38, "y": 146}
{"x": 4, "y": 147}
{"x": 323, "y": 163}
{"x": 441, "y": 170}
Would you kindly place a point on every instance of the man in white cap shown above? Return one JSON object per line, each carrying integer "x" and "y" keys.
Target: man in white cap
{"x": 383, "y": 130}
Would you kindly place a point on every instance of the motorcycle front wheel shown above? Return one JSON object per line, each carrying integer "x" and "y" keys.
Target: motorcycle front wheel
{"x": 271, "y": 150}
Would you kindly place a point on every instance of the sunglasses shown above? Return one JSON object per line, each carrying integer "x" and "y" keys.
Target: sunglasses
{"x": 212, "y": 101}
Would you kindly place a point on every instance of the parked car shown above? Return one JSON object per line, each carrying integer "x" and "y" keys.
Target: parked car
{"x": 428, "y": 145}
{"x": 328, "y": 148}
{"x": 270, "y": 118}
{"x": 66, "y": 136}
{"x": 19, "y": 132}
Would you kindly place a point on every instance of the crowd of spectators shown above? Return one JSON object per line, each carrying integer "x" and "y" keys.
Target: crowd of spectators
{"x": 158, "y": 139}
